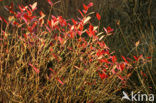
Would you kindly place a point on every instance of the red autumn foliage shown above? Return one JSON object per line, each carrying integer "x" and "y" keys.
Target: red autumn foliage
{"x": 64, "y": 31}
{"x": 98, "y": 16}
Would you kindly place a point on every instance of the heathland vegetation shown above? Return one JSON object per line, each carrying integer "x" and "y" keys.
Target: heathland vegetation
{"x": 76, "y": 51}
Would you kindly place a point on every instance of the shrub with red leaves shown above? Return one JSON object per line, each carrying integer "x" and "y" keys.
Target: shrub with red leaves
{"x": 71, "y": 46}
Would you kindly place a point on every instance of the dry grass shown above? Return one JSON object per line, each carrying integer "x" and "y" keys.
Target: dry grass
{"x": 60, "y": 65}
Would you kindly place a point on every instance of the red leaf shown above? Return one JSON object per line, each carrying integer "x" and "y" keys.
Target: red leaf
{"x": 29, "y": 12}
{"x": 60, "y": 81}
{"x": 29, "y": 29}
{"x": 122, "y": 66}
{"x": 98, "y": 16}
{"x": 90, "y": 28}
{"x": 120, "y": 77}
{"x": 48, "y": 28}
{"x": 15, "y": 23}
{"x": 105, "y": 52}
{"x": 89, "y": 34}
{"x": 124, "y": 59}
{"x": 103, "y": 45}
{"x": 81, "y": 13}
{"x": 1, "y": 18}
{"x": 49, "y": 23}
{"x": 137, "y": 58}
{"x": 143, "y": 74}
{"x": 80, "y": 33}
{"x": 113, "y": 71}
{"x": 60, "y": 39}
{"x": 4, "y": 20}
{"x": 25, "y": 36}
{"x": 21, "y": 9}
{"x": 10, "y": 8}
{"x": 81, "y": 27}
{"x": 55, "y": 56}
{"x": 109, "y": 29}
{"x": 90, "y": 4}
{"x": 114, "y": 59}
{"x": 51, "y": 4}
{"x": 25, "y": 18}
{"x": 84, "y": 11}
{"x": 85, "y": 7}
{"x": 52, "y": 70}
{"x": 36, "y": 70}
{"x": 71, "y": 34}
{"x": 148, "y": 57}
{"x": 104, "y": 61}
{"x": 42, "y": 15}
{"x": 34, "y": 25}
{"x": 102, "y": 75}
{"x": 74, "y": 22}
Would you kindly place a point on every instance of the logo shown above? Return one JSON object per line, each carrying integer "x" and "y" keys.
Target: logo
{"x": 138, "y": 97}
